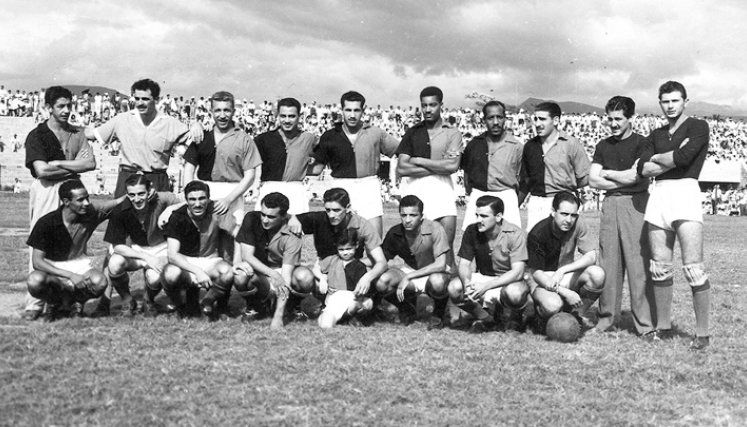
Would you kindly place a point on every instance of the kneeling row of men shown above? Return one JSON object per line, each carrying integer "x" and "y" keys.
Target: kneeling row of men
{"x": 511, "y": 269}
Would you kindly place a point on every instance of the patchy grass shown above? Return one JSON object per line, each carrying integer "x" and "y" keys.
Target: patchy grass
{"x": 189, "y": 372}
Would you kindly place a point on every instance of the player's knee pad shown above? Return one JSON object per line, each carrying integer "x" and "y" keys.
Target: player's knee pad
{"x": 696, "y": 276}
{"x": 661, "y": 271}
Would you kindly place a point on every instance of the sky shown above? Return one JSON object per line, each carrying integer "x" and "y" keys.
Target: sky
{"x": 585, "y": 51}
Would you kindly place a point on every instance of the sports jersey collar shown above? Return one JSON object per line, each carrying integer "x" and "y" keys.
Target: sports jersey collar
{"x": 508, "y": 137}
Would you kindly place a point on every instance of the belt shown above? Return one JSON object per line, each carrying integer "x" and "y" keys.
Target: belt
{"x": 131, "y": 169}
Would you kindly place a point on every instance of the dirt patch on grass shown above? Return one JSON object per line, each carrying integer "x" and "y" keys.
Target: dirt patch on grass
{"x": 11, "y": 299}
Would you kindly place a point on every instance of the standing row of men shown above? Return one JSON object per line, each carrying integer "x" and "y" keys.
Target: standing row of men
{"x": 499, "y": 174}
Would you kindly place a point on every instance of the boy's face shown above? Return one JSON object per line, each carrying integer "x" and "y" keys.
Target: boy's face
{"x": 346, "y": 252}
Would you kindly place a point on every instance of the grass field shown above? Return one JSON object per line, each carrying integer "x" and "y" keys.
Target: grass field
{"x": 190, "y": 372}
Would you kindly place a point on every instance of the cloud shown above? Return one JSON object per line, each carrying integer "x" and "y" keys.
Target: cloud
{"x": 566, "y": 50}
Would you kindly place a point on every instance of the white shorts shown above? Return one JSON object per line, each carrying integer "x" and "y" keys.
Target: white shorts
{"x": 78, "y": 266}
{"x": 293, "y": 190}
{"x": 538, "y": 208}
{"x": 205, "y": 264}
{"x": 365, "y": 195}
{"x": 338, "y": 303}
{"x": 419, "y": 283}
{"x": 436, "y": 192}
{"x": 568, "y": 281}
{"x": 674, "y": 200}
{"x": 491, "y": 297}
{"x": 235, "y": 214}
{"x": 510, "y": 206}
{"x": 159, "y": 251}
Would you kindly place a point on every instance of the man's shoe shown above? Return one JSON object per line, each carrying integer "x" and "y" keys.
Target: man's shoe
{"x": 480, "y": 326}
{"x": 50, "y": 314}
{"x": 700, "y": 343}
{"x": 31, "y": 315}
{"x": 101, "y": 310}
{"x": 461, "y": 324}
{"x": 407, "y": 317}
{"x": 76, "y": 310}
{"x": 149, "y": 308}
{"x": 435, "y": 323}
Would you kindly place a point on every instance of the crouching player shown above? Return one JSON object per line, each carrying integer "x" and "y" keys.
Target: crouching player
{"x": 269, "y": 269}
{"x": 136, "y": 220}
{"x": 499, "y": 249}
{"x": 192, "y": 238}
{"x": 63, "y": 274}
{"x": 327, "y": 228}
{"x": 423, "y": 245}
{"x": 556, "y": 280}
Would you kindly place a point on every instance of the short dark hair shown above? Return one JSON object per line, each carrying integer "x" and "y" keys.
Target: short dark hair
{"x": 276, "y": 200}
{"x": 66, "y": 189}
{"x": 564, "y": 196}
{"x": 347, "y": 236}
{"x": 495, "y": 203}
{"x": 411, "y": 201}
{"x": 223, "y": 96}
{"x": 52, "y": 94}
{"x": 339, "y": 195}
{"x": 432, "y": 91}
{"x": 621, "y": 103}
{"x": 290, "y": 102}
{"x": 196, "y": 185}
{"x": 493, "y": 103}
{"x": 551, "y": 107}
{"x": 352, "y": 96}
{"x": 147, "y": 84}
{"x": 672, "y": 86}
{"x": 137, "y": 179}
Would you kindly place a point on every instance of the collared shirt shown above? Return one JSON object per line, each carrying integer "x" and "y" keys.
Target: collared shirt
{"x": 42, "y": 144}
{"x": 272, "y": 248}
{"x": 494, "y": 257}
{"x": 284, "y": 160}
{"x": 354, "y": 159}
{"x": 60, "y": 243}
{"x": 194, "y": 242}
{"x": 342, "y": 275}
{"x": 620, "y": 155}
{"x": 143, "y": 230}
{"x": 325, "y": 234}
{"x": 550, "y": 249}
{"x": 147, "y": 148}
{"x": 492, "y": 166}
{"x": 688, "y": 158}
{"x": 227, "y": 161}
{"x": 433, "y": 144}
{"x": 429, "y": 244}
{"x": 560, "y": 169}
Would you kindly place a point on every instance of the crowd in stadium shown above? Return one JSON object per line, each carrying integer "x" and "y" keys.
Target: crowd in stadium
{"x": 728, "y": 139}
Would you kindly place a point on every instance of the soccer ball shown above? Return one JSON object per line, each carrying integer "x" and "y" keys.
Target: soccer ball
{"x": 563, "y": 327}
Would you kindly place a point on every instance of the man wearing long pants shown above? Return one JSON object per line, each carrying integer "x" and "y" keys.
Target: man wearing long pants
{"x": 622, "y": 237}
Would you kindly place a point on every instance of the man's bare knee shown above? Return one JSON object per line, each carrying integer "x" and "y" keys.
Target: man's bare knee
{"x": 515, "y": 294}
{"x": 437, "y": 285}
{"x": 171, "y": 276}
{"x": 117, "y": 265}
{"x": 37, "y": 283}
